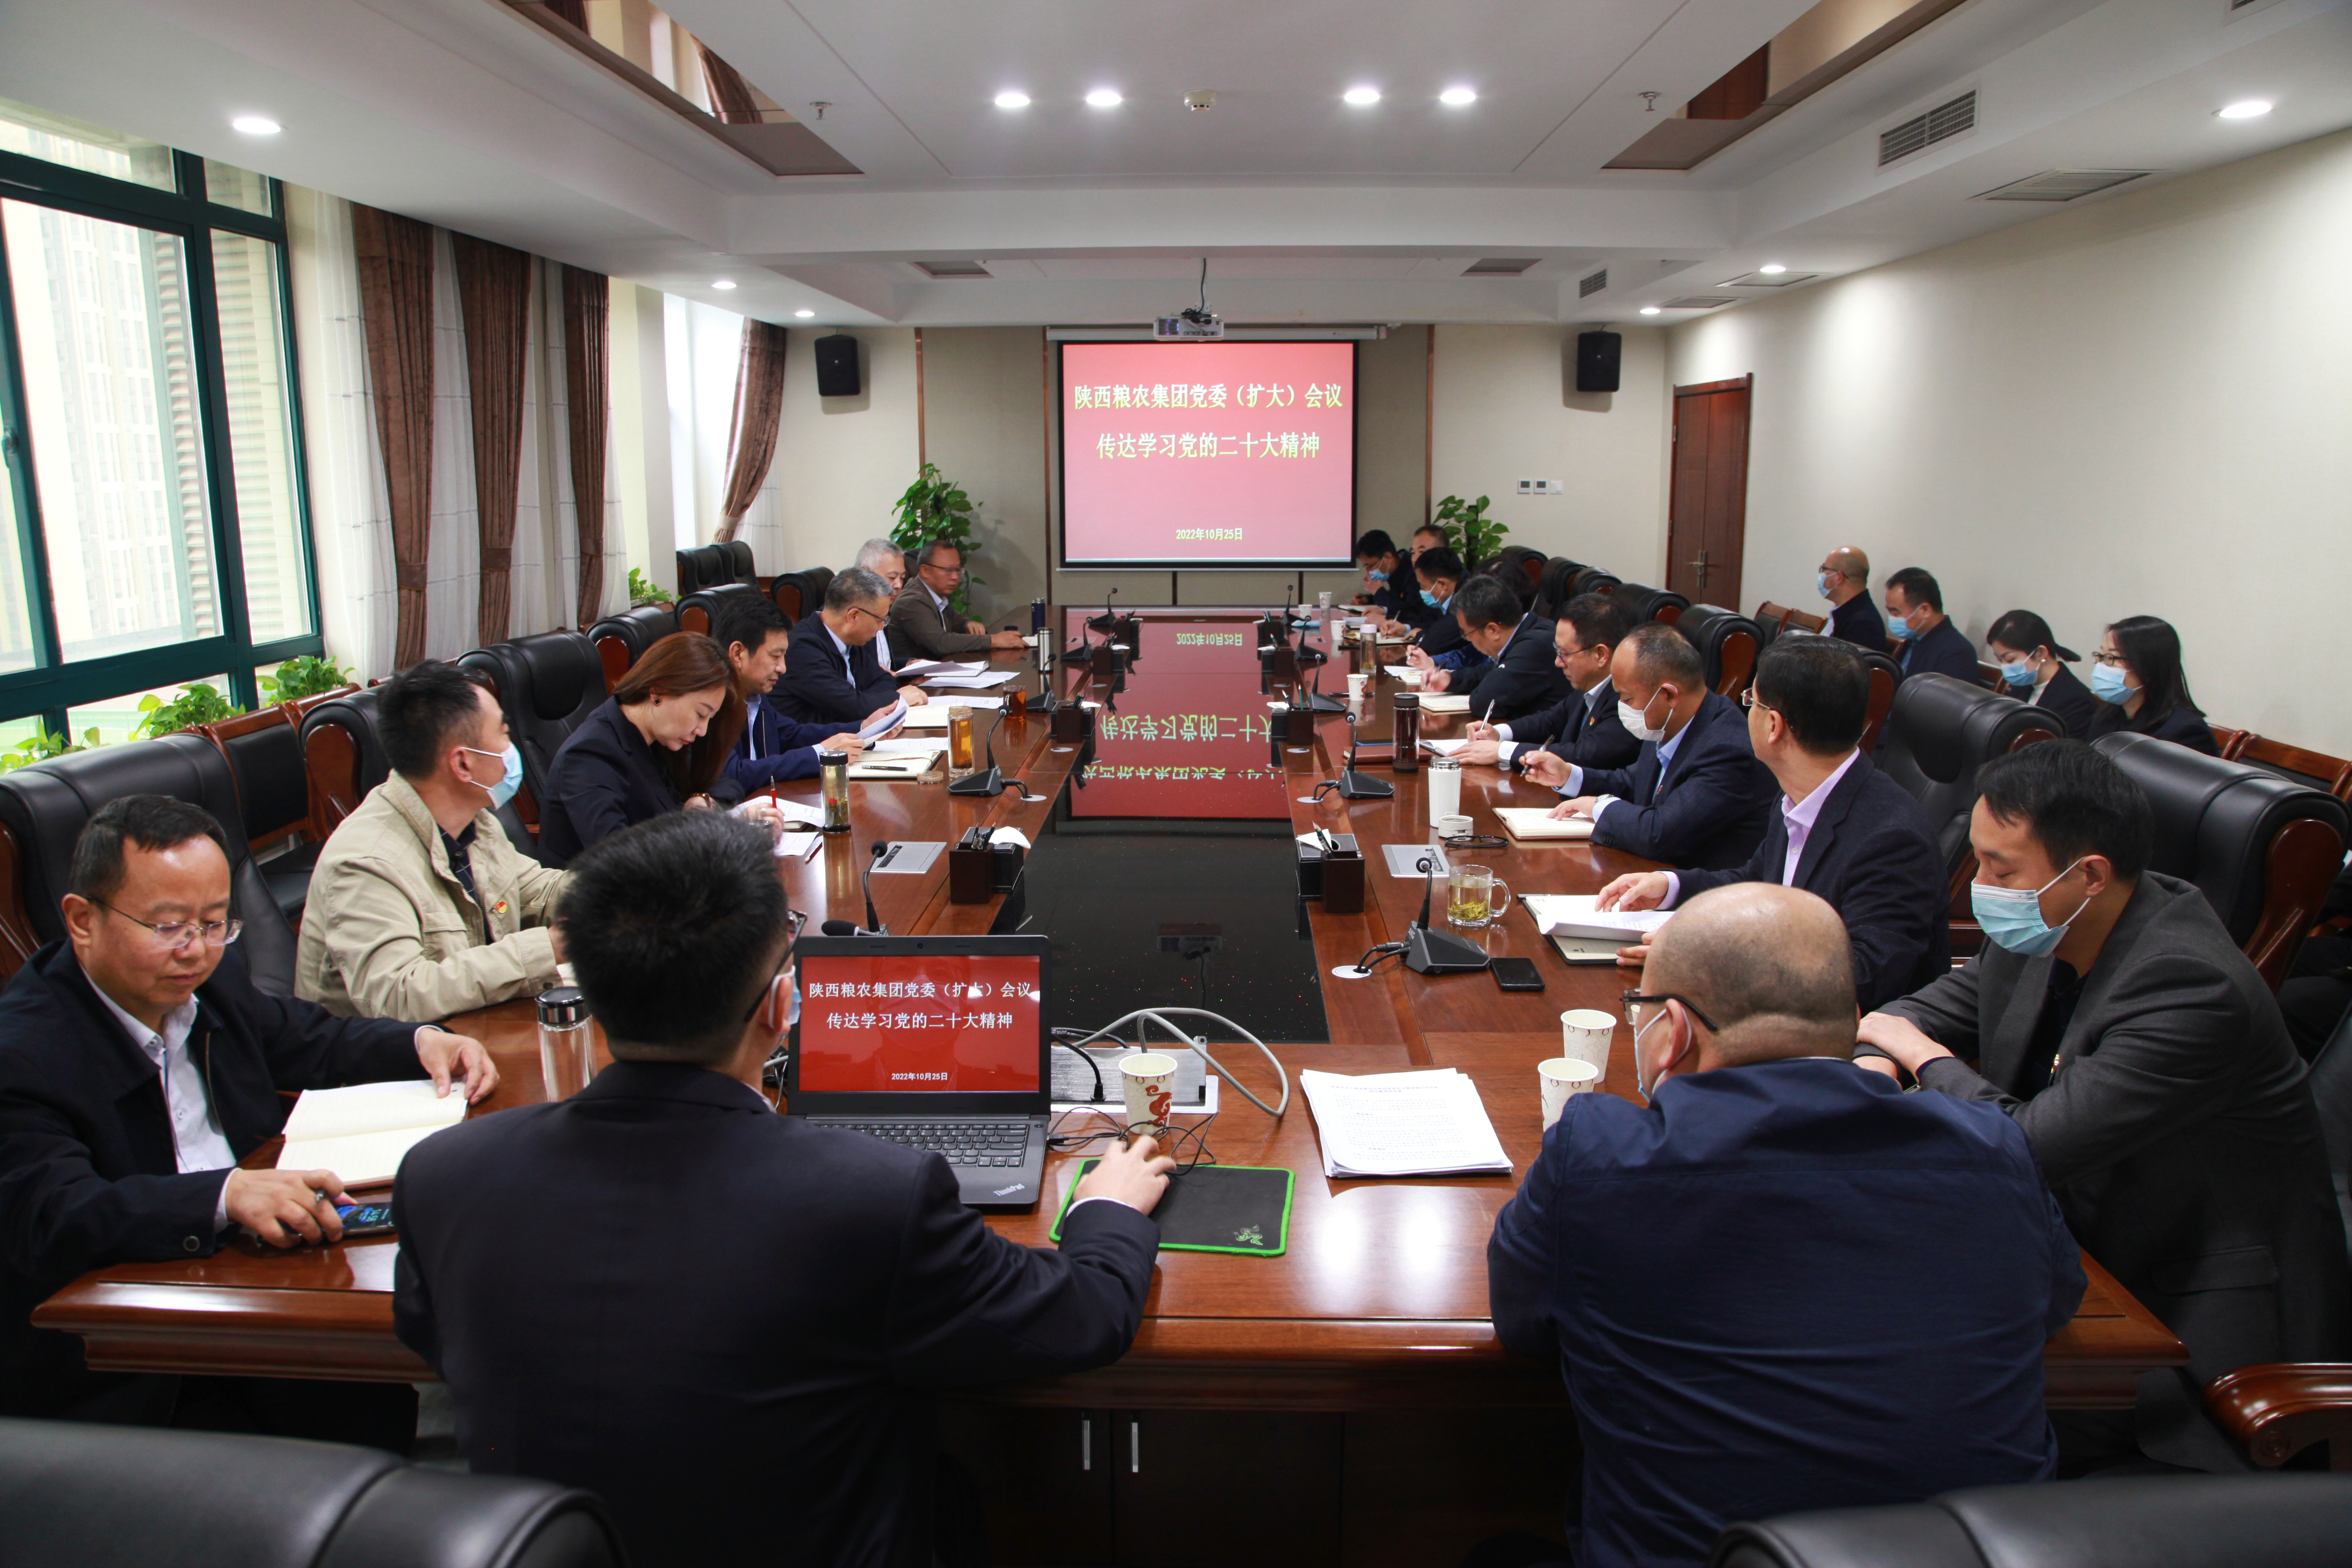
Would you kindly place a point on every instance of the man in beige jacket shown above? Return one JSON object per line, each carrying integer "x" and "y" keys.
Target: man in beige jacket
{"x": 419, "y": 907}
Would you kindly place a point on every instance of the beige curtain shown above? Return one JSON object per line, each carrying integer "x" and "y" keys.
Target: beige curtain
{"x": 751, "y": 433}
{"x": 587, "y": 359}
{"x": 396, "y": 270}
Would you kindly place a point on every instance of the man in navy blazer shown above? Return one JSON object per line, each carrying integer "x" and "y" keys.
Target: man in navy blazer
{"x": 731, "y": 1325}
{"x": 1583, "y": 727}
{"x": 1845, "y": 830}
{"x": 831, "y": 673}
{"x": 1697, "y": 796}
{"x": 771, "y": 748}
{"x": 1780, "y": 1283}
{"x": 1924, "y": 636}
{"x": 1520, "y": 677}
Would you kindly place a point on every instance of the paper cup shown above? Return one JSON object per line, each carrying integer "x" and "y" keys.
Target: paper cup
{"x": 1323, "y": 599}
{"x": 1585, "y": 1035}
{"x": 1356, "y": 684}
{"x": 1149, "y": 1080}
{"x": 1453, "y": 826}
{"x": 1561, "y": 1077}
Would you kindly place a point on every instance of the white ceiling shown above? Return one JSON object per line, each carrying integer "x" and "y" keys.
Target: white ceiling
{"x": 462, "y": 113}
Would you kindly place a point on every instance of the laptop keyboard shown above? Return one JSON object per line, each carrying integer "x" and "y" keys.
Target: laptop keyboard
{"x": 962, "y": 1142}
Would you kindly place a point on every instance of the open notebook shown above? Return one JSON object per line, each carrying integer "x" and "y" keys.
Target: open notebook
{"x": 361, "y": 1133}
{"x": 1536, "y": 825}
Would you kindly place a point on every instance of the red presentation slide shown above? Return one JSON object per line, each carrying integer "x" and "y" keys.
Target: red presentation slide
{"x": 904, "y": 1021}
{"x": 1208, "y": 453}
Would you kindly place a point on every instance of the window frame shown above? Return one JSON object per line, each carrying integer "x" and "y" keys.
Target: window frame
{"x": 54, "y": 684}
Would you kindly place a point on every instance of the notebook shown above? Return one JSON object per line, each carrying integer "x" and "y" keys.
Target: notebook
{"x": 1426, "y": 1123}
{"x": 1535, "y": 825}
{"x": 1578, "y": 914}
{"x": 901, "y": 765}
{"x": 361, "y": 1133}
{"x": 1443, "y": 702}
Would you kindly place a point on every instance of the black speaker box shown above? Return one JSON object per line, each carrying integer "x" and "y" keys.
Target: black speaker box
{"x": 836, "y": 366}
{"x": 1596, "y": 361}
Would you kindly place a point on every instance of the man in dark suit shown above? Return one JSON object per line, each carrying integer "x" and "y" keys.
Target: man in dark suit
{"x": 831, "y": 675}
{"x": 728, "y": 1324}
{"x": 1779, "y": 1284}
{"x": 1844, "y": 580}
{"x": 771, "y": 748}
{"x": 1845, "y": 830}
{"x": 1697, "y": 796}
{"x": 1928, "y": 639}
{"x": 1439, "y": 645}
{"x": 138, "y": 1066}
{"x": 2111, "y": 1016}
{"x": 925, "y": 624}
{"x": 1388, "y": 593}
{"x": 1582, "y": 728}
{"x": 1518, "y": 677}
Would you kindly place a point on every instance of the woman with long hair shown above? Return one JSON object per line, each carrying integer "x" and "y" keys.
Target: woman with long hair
{"x": 2033, "y": 669}
{"x": 2140, "y": 686}
{"x": 656, "y": 745}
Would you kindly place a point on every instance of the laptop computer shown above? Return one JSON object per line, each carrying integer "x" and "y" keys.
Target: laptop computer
{"x": 935, "y": 1042}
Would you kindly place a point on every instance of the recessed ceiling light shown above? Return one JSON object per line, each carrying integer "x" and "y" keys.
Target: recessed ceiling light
{"x": 262, "y": 126}
{"x": 1011, "y": 100}
{"x": 1457, "y": 97}
{"x": 1648, "y": 309}
{"x": 804, "y": 315}
{"x": 1771, "y": 269}
{"x": 722, "y": 284}
{"x": 2246, "y": 108}
{"x": 1361, "y": 97}
{"x": 1105, "y": 98}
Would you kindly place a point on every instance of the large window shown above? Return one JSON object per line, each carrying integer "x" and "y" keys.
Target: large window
{"x": 153, "y": 528}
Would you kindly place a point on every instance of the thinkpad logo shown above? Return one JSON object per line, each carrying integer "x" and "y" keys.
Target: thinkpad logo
{"x": 1008, "y": 1192}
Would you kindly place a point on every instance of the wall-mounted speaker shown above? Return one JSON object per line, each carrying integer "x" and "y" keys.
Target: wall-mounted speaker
{"x": 1596, "y": 361}
{"x": 836, "y": 366}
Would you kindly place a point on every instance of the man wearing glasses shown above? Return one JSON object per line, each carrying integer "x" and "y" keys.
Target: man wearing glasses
{"x": 925, "y": 621}
{"x": 832, "y": 675}
{"x": 138, "y": 1065}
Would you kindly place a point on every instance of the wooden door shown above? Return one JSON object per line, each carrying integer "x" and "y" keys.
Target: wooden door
{"x": 1708, "y": 515}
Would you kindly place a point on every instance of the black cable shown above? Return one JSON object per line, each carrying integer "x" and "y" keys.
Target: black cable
{"x": 1376, "y": 956}
{"x": 1093, "y": 1065}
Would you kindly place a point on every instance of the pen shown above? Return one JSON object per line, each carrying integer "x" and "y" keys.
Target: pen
{"x": 1490, "y": 711}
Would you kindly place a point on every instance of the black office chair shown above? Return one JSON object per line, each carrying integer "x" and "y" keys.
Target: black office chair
{"x": 1939, "y": 732}
{"x": 740, "y": 568}
{"x": 548, "y": 684}
{"x": 620, "y": 640}
{"x": 44, "y": 807}
{"x": 1551, "y": 586}
{"x": 344, "y": 759}
{"x": 2262, "y": 848}
{"x": 273, "y": 791}
{"x": 702, "y": 566}
{"x": 702, "y": 612}
{"x": 1523, "y": 566}
{"x": 1591, "y": 580}
{"x": 2138, "y": 1521}
{"x": 1644, "y": 602}
{"x": 1728, "y": 642}
{"x": 87, "y": 1496}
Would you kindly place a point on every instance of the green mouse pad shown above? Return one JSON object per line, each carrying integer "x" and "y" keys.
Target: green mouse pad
{"x": 1215, "y": 1208}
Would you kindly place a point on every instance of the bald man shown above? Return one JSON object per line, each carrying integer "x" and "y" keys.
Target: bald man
{"x": 1776, "y": 1283}
{"x": 1845, "y": 582}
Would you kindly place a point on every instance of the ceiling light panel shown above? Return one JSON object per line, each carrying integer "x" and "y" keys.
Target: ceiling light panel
{"x": 1011, "y": 99}
{"x": 1105, "y": 98}
{"x": 1361, "y": 97}
{"x": 262, "y": 126}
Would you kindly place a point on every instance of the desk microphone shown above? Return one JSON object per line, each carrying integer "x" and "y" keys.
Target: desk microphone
{"x": 989, "y": 781}
{"x": 1315, "y": 658}
{"x": 1106, "y": 622}
{"x": 1354, "y": 785}
{"x": 1428, "y": 951}
{"x": 865, "y": 881}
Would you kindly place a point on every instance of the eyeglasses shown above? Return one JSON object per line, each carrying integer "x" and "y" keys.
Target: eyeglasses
{"x": 1560, "y": 658}
{"x": 954, "y": 570}
{"x": 171, "y": 936}
{"x": 2112, "y": 660}
{"x": 1748, "y": 700}
{"x": 1633, "y": 1000}
{"x": 793, "y": 921}
{"x": 862, "y": 610}
{"x": 1476, "y": 841}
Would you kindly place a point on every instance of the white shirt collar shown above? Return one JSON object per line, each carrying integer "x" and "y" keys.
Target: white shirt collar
{"x": 177, "y": 1024}
{"x": 936, "y": 600}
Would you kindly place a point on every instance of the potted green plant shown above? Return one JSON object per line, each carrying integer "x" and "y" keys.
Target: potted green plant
{"x": 305, "y": 677}
{"x": 42, "y": 744}
{"x": 935, "y": 507}
{"x": 196, "y": 704}
{"x": 643, "y": 593}
{"x": 1480, "y": 535}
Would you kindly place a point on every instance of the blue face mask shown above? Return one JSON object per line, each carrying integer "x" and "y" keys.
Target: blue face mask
{"x": 2011, "y": 917}
{"x": 2107, "y": 685}
{"x": 1374, "y": 575}
{"x": 509, "y": 782}
{"x": 2021, "y": 674}
{"x": 1897, "y": 628}
{"x": 1432, "y": 600}
{"x": 1822, "y": 580}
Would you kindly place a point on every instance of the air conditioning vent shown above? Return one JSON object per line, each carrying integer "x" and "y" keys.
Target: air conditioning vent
{"x": 1696, "y": 302}
{"x": 954, "y": 269}
{"x": 1588, "y": 286}
{"x": 1923, "y": 131}
{"x": 2061, "y": 184}
{"x": 1499, "y": 266}
{"x": 1767, "y": 280}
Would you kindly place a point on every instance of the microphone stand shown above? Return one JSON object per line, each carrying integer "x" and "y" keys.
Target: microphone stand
{"x": 1354, "y": 785}
{"x": 991, "y": 781}
{"x": 1315, "y": 659}
{"x": 874, "y": 926}
{"x": 1428, "y": 951}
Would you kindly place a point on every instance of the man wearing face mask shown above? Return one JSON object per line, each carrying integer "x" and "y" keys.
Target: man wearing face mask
{"x": 1925, "y": 641}
{"x": 1779, "y": 1284}
{"x": 2113, "y": 1019}
{"x": 1696, "y": 795}
{"x": 421, "y": 906}
{"x": 1844, "y": 580}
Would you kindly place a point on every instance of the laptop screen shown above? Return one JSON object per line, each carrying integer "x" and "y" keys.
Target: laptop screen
{"x": 876, "y": 1021}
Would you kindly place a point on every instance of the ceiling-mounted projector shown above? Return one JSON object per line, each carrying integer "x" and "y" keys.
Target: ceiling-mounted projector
{"x": 1187, "y": 326}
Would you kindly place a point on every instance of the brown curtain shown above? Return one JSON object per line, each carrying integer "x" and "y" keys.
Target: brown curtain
{"x": 758, "y": 408}
{"x": 494, "y": 291}
{"x": 731, "y": 96}
{"x": 395, "y": 267}
{"x": 587, "y": 360}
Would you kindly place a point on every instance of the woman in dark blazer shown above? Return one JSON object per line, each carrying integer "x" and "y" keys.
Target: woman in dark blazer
{"x": 2033, "y": 669}
{"x": 2141, "y": 688}
{"x": 657, "y": 744}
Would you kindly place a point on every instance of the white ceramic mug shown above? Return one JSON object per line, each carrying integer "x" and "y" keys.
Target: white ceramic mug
{"x": 1149, "y": 1080}
{"x": 1559, "y": 1078}
{"x": 1585, "y": 1034}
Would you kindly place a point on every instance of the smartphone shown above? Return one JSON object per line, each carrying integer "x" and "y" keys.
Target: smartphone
{"x": 365, "y": 1219}
{"x": 1516, "y": 974}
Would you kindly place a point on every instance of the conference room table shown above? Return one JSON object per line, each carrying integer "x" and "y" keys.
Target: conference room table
{"x": 1359, "y": 1366}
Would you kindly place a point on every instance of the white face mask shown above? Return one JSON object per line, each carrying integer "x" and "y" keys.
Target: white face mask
{"x": 1637, "y": 719}
{"x": 1644, "y": 1085}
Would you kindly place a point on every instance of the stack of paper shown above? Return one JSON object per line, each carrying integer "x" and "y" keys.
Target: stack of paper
{"x": 886, "y": 722}
{"x": 1578, "y": 914}
{"x": 934, "y": 715}
{"x": 977, "y": 680}
{"x": 798, "y": 845}
{"x": 1428, "y": 1124}
{"x": 1398, "y": 671}
{"x": 1443, "y": 748}
{"x": 921, "y": 668}
{"x": 361, "y": 1133}
{"x": 1537, "y": 823}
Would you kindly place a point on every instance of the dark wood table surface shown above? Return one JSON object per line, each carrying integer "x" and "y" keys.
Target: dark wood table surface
{"x": 1381, "y": 1300}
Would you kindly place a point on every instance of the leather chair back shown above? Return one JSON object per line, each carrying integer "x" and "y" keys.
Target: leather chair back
{"x": 2145, "y": 1521}
{"x": 620, "y": 640}
{"x": 1939, "y": 733}
{"x": 548, "y": 684}
{"x": 702, "y": 612}
{"x": 1727, "y": 640}
{"x": 740, "y": 566}
{"x": 87, "y": 1496}
{"x": 44, "y": 807}
{"x": 800, "y": 594}
{"x": 1551, "y": 586}
{"x": 1519, "y": 561}
{"x": 342, "y": 757}
{"x": 1591, "y": 580}
{"x": 2263, "y": 848}
{"x": 264, "y": 757}
{"x": 1644, "y": 602}
{"x": 702, "y": 566}
{"x": 1886, "y": 679}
